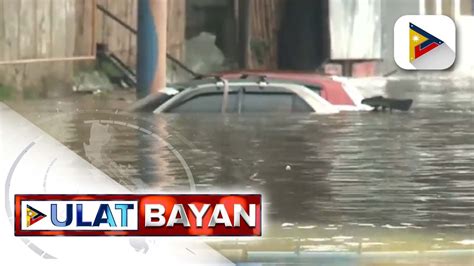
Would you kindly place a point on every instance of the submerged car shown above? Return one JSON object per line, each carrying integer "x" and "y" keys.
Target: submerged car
{"x": 256, "y": 93}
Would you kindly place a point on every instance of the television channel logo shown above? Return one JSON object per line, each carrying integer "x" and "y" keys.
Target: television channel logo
{"x": 424, "y": 42}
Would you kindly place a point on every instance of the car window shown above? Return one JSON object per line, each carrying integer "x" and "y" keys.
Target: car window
{"x": 255, "y": 102}
{"x": 203, "y": 103}
{"x": 206, "y": 103}
{"x": 300, "y": 105}
{"x": 248, "y": 99}
{"x": 314, "y": 88}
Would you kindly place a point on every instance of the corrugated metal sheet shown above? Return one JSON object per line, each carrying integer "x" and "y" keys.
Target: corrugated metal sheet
{"x": 355, "y": 28}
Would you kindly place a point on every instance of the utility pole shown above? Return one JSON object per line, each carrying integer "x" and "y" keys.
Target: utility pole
{"x": 151, "y": 44}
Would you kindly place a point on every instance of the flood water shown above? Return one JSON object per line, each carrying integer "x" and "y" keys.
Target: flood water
{"x": 371, "y": 181}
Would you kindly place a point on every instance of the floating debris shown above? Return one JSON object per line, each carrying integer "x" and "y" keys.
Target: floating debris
{"x": 465, "y": 242}
{"x": 287, "y": 225}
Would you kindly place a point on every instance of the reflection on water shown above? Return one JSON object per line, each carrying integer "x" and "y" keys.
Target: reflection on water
{"x": 368, "y": 178}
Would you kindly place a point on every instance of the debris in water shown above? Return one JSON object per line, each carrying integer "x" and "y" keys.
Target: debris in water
{"x": 286, "y": 225}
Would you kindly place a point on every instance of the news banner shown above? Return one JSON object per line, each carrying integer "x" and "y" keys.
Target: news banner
{"x": 138, "y": 215}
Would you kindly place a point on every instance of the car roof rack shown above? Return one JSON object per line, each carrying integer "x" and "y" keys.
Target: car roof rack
{"x": 260, "y": 80}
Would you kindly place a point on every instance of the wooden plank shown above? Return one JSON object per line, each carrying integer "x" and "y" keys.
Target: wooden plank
{"x": 28, "y": 42}
{"x": 11, "y": 16}
{"x": 133, "y": 38}
{"x": 2, "y": 41}
{"x": 176, "y": 28}
{"x": 58, "y": 36}
{"x": 127, "y": 34}
{"x": 2, "y": 33}
{"x": 70, "y": 39}
{"x": 107, "y": 25}
{"x": 43, "y": 28}
{"x": 110, "y": 26}
{"x": 264, "y": 27}
{"x": 120, "y": 33}
{"x": 118, "y": 38}
{"x": 49, "y": 60}
{"x": 27, "y": 33}
{"x": 58, "y": 28}
{"x": 80, "y": 13}
{"x": 90, "y": 25}
{"x": 85, "y": 32}
{"x": 175, "y": 37}
{"x": 93, "y": 10}
{"x": 99, "y": 20}
{"x": 29, "y": 76}
{"x": 70, "y": 18}
{"x": 11, "y": 23}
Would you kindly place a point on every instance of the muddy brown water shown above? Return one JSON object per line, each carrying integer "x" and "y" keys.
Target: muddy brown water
{"x": 376, "y": 181}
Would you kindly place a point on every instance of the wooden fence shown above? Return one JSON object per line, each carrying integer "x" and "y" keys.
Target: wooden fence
{"x": 41, "y": 29}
